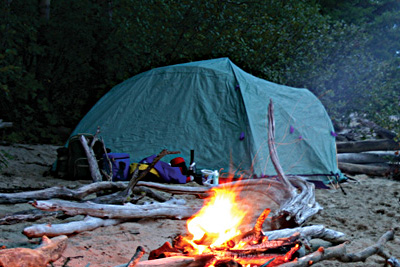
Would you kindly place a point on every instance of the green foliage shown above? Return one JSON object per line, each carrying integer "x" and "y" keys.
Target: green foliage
{"x": 52, "y": 71}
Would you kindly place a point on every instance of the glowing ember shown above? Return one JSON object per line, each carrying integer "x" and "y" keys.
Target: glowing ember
{"x": 218, "y": 221}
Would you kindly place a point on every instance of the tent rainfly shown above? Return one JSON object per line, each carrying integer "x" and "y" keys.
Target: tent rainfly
{"x": 219, "y": 111}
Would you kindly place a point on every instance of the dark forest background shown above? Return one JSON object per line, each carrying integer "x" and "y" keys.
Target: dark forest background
{"x": 57, "y": 58}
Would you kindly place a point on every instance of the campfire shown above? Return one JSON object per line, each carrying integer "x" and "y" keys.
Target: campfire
{"x": 216, "y": 238}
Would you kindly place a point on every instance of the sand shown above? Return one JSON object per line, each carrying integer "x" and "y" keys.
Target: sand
{"x": 370, "y": 208}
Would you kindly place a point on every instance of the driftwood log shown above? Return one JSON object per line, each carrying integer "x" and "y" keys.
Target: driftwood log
{"x": 51, "y": 230}
{"x": 30, "y": 216}
{"x": 308, "y": 233}
{"x": 105, "y": 215}
{"x": 367, "y": 145}
{"x": 81, "y": 193}
{"x": 300, "y": 205}
{"x": 126, "y": 212}
{"x": 370, "y": 170}
{"x": 60, "y": 192}
{"x": 93, "y": 165}
{"x": 4, "y": 124}
{"x": 367, "y": 158}
{"x": 50, "y": 250}
{"x": 340, "y": 253}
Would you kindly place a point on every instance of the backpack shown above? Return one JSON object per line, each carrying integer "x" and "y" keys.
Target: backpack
{"x": 78, "y": 165}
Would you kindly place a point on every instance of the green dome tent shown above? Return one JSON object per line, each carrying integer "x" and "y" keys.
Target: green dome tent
{"x": 219, "y": 111}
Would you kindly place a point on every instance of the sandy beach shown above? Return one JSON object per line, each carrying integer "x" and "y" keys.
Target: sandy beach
{"x": 369, "y": 208}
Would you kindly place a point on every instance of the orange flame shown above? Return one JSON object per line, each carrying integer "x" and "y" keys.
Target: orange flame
{"x": 217, "y": 222}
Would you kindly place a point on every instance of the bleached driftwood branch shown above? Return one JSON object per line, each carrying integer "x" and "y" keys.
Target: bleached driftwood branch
{"x": 79, "y": 194}
{"x": 50, "y": 230}
{"x": 93, "y": 165}
{"x": 308, "y": 233}
{"x": 29, "y": 215}
{"x": 299, "y": 206}
{"x": 60, "y": 192}
{"x": 339, "y": 253}
{"x": 128, "y": 211}
{"x": 105, "y": 215}
{"x": 4, "y": 124}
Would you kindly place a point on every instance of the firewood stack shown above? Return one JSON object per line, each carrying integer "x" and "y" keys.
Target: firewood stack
{"x": 366, "y": 148}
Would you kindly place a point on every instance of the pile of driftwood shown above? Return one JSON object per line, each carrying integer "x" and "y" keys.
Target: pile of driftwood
{"x": 372, "y": 157}
{"x": 294, "y": 196}
{"x": 366, "y": 148}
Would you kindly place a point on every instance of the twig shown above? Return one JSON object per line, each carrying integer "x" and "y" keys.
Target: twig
{"x": 109, "y": 175}
{"x": 132, "y": 183}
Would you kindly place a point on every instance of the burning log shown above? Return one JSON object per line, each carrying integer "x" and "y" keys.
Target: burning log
{"x": 50, "y": 250}
{"x": 252, "y": 247}
{"x": 299, "y": 207}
